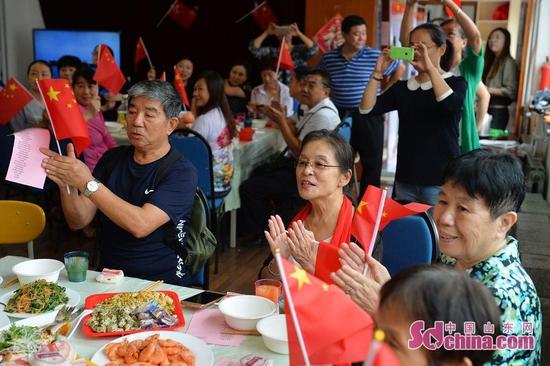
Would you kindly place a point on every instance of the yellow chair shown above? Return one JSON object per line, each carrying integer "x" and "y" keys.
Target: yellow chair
{"x": 21, "y": 222}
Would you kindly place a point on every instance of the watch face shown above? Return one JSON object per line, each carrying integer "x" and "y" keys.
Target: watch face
{"x": 92, "y": 186}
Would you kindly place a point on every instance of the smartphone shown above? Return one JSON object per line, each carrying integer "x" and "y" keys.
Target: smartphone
{"x": 282, "y": 30}
{"x": 402, "y": 53}
{"x": 202, "y": 300}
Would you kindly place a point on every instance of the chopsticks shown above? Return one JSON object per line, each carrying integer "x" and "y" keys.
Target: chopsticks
{"x": 152, "y": 286}
{"x": 241, "y": 332}
{"x": 7, "y": 284}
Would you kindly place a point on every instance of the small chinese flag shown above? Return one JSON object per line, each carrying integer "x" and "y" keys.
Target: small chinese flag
{"x": 182, "y": 15}
{"x": 108, "y": 73}
{"x": 141, "y": 53}
{"x": 163, "y": 77}
{"x": 180, "y": 87}
{"x": 285, "y": 58}
{"x": 362, "y": 227}
{"x": 12, "y": 99}
{"x": 380, "y": 354}
{"x": 264, "y": 16}
{"x": 449, "y": 11}
{"x": 335, "y": 330}
{"x": 65, "y": 115}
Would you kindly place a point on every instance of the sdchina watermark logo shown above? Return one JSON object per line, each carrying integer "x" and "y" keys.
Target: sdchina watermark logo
{"x": 444, "y": 335}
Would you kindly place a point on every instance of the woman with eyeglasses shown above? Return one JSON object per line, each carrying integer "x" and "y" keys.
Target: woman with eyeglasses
{"x": 323, "y": 171}
{"x": 429, "y": 107}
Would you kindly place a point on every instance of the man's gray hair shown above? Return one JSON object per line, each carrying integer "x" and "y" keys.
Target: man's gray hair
{"x": 162, "y": 91}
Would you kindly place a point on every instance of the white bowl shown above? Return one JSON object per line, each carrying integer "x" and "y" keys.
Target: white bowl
{"x": 273, "y": 331}
{"x": 113, "y": 127}
{"x": 243, "y": 312}
{"x": 36, "y": 269}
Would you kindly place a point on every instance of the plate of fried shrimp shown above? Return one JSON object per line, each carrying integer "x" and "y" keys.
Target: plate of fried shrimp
{"x": 155, "y": 348}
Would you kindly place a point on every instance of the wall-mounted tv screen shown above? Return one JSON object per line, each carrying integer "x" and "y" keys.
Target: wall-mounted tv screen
{"x": 51, "y": 44}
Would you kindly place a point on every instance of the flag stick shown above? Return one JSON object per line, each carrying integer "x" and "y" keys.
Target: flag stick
{"x": 146, "y": 53}
{"x": 53, "y": 127}
{"x": 168, "y": 12}
{"x": 250, "y": 12}
{"x": 291, "y": 307}
{"x": 376, "y": 226}
{"x": 373, "y": 352}
{"x": 280, "y": 55}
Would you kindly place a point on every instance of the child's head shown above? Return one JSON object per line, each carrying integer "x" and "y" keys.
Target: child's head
{"x": 430, "y": 294}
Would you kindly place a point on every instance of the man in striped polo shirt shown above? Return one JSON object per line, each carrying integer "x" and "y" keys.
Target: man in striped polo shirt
{"x": 350, "y": 67}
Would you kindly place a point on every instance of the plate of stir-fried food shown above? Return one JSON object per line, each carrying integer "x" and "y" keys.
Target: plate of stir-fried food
{"x": 36, "y": 298}
{"x": 155, "y": 348}
{"x": 117, "y": 314}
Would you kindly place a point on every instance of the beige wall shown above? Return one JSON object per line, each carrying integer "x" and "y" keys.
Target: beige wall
{"x": 18, "y": 18}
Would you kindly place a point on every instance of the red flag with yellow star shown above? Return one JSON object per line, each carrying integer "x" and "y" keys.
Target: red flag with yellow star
{"x": 180, "y": 87}
{"x": 108, "y": 74}
{"x": 362, "y": 227}
{"x": 12, "y": 99}
{"x": 65, "y": 115}
{"x": 285, "y": 58}
{"x": 335, "y": 330}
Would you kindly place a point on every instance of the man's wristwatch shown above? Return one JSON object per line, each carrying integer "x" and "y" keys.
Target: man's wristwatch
{"x": 91, "y": 187}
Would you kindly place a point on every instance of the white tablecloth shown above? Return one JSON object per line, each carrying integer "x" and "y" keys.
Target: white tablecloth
{"x": 87, "y": 346}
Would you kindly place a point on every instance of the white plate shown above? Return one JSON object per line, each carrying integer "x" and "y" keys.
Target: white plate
{"x": 74, "y": 299}
{"x": 203, "y": 354}
{"x": 1, "y": 280}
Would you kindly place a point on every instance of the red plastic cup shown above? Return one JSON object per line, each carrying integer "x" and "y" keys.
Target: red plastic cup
{"x": 270, "y": 289}
{"x": 246, "y": 134}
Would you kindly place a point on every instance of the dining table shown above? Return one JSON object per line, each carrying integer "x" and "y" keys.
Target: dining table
{"x": 86, "y": 346}
{"x": 247, "y": 156}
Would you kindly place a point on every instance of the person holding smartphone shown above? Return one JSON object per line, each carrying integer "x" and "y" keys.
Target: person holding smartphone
{"x": 271, "y": 90}
{"x": 301, "y": 52}
{"x": 429, "y": 107}
{"x": 467, "y": 61}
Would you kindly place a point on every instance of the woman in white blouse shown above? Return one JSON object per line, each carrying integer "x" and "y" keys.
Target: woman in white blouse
{"x": 214, "y": 121}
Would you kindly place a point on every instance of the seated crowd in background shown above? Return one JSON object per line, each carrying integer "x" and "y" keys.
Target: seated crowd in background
{"x": 302, "y": 196}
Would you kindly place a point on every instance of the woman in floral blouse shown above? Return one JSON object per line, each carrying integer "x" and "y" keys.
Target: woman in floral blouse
{"x": 477, "y": 207}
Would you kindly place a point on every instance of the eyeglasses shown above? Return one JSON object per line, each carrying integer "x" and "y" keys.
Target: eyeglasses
{"x": 315, "y": 165}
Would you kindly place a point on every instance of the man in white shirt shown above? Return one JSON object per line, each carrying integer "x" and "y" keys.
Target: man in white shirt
{"x": 280, "y": 182}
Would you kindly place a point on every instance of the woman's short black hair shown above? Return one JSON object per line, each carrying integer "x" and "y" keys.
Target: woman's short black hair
{"x": 436, "y": 293}
{"x": 342, "y": 150}
{"x": 351, "y": 21}
{"x": 45, "y": 63}
{"x": 495, "y": 177}
{"x": 267, "y": 63}
{"x": 85, "y": 72}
